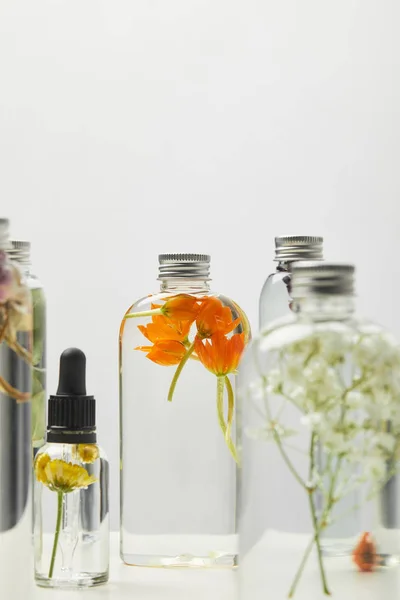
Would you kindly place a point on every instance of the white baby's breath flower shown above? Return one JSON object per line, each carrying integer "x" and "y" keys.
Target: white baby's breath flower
{"x": 294, "y": 372}
{"x": 269, "y": 432}
{"x": 334, "y": 346}
{"x": 373, "y": 352}
{"x": 384, "y": 440}
{"x": 302, "y": 349}
{"x": 354, "y": 399}
{"x": 336, "y": 442}
{"x": 343, "y": 404}
{"x": 311, "y": 420}
{"x": 274, "y": 381}
{"x": 374, "y": 468}
{"x": 261, "y": 434}
{"x": 297, "y": 394}
{"x": 316, "y": 369}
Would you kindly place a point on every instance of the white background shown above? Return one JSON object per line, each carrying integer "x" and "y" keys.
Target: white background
{"x": 133, "y": 127}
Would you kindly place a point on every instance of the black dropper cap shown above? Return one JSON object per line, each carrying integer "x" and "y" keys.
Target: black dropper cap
{"x": 72, "y": 414}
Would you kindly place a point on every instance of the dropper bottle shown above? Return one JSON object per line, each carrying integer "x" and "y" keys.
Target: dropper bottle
{"x": 71, "y": 487}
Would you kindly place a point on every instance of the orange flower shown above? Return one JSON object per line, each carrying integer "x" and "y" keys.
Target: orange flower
{"x": 182, "y": 307}
{"x": 214, "y": 317}
{"x": 165, "y": 352}
{"x": 219, "y": 354}
{"x": 364, "y": 554}
{"x": 163, "y": 328}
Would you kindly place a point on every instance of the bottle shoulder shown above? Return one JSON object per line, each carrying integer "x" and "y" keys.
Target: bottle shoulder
{"x": 276, "y": 279}
{"x": 295, "y": 330}
{"x": 153, "y": 301}
{"x": 145, "y": 302}
{"x": 171, "y": 312}
{"x": 74, "y": 453}
{"x": 33, "y": 282}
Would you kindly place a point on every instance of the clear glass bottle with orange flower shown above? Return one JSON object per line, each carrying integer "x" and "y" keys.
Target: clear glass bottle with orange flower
{"x": 179, "y": 353}
{"x": 71, "y": 488}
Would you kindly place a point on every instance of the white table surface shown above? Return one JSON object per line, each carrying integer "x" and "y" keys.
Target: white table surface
{"x": 139, "y": 583}
{"x": 268, "y": 569}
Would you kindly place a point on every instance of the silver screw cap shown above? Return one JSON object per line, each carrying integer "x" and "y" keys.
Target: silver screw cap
{"x": 192, "y": 266}
{"x": 20, "y": 251}
{"x": 290, "y": 248}
{"x": 322, "y": 278}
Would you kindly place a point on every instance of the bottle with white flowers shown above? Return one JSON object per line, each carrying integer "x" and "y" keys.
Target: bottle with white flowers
{"x": 320, "y": 398}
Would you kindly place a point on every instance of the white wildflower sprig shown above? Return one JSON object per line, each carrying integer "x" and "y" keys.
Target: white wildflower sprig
{"x": 345, "y": 385}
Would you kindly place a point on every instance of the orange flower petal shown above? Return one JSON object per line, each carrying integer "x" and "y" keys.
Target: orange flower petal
{"x": 214, "y": 317}
{"x": 182, "y": 307}
{"x": 219, "y": 354}
{"x": 163, "y": 328}
{"x": 165, "y": 352}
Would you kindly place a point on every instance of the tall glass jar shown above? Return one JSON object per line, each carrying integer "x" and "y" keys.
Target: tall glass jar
{"x": 321, "y": 440}
{"x": 15, "y": 424}
{"x": 275, "y": 300}
{"x": 20, "y": 253}
{"x": 179, "y": 352}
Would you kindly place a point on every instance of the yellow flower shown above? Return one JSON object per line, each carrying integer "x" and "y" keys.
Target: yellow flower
{"x": 88, "y": 453}
{"x": 61, "y": 476}
{"x": 40, "y": 466}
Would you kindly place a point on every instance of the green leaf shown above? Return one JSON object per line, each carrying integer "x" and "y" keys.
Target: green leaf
{"x": 39, "y": 326}
{"x": 38, "y": 381}
{"x": 38, "y": 417}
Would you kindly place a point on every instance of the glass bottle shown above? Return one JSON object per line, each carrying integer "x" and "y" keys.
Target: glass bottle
{"x": 20, "y": 253}
{"x": 179, "y": 351}
{"x": 275, "y": 295}
{"x": 320, "y": 394}
{"x": 71, "y": 477}
{"x": 15, "y": 424}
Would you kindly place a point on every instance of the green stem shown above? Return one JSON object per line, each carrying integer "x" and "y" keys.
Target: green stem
{"x": 318, "y": 544}
{"x": 231, "y": 409}
{"x": 317, "y": 529}
{"x": 178, "y": 371}
{"x": 220, "y": 404}
{"x": 301, "y": 567}
{"x": 145, "y": 313}
{"x": 57, "y": 533}
{"x": 221, "y": 418}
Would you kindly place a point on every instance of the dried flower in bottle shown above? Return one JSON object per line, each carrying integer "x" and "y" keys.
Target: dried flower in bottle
{"x": 88, "y": 453}
{"x": 365, "y": 555}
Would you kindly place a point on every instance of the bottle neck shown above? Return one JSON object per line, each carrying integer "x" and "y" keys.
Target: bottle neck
{"x": 60, "y": 436}
{"x": 330, "y": 307}
{"x": 183, "y": 285}
{"x": 283, "y": 266}
{"x": 24, "y": 267}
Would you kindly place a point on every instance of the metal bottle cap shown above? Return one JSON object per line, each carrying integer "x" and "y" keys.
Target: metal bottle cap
{"x": 322, "y": 278}
{"x": 20, "y": 251}
{"x": 298, "y": 247}
{"x": 192, "y": 266}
